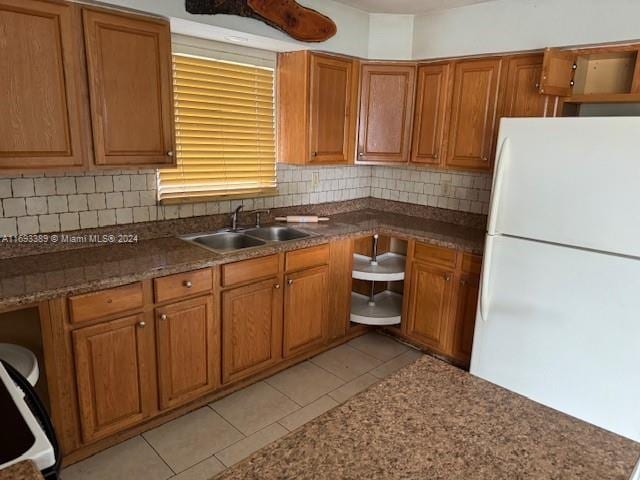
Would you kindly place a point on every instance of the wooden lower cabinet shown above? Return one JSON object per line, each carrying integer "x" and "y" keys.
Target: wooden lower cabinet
{"x": 114, "y": 375}
{"x": 465, "y": 316}
{"x": 251, "y": 328}
{"x": 429, "y": 305}
{"x": 188, "y": 350}
{"x": 305, "y": 310}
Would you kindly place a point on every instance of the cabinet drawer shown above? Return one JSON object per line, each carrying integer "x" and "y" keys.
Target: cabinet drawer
{"x": 435, "y": 255}
{"x": 307, "y": 257}
{"x": 471, "y": 263}
{"x": 90, "y": 306}
{"x": 182, "y": 284}
{"x": 254, "y": 269}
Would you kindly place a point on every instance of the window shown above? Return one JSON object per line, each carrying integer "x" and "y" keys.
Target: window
{"x": 225, "y": 131}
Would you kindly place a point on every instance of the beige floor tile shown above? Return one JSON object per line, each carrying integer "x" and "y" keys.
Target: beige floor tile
{"x": 379, "y": 346}
{"x": 308, "y": 413}
{"x": 204, "y": 470}
{"x": 254, "y": 407}
{"x": 305, "y": 382}
{"x": 245, "y": 447}
{"x": 346, "y": 362}
{"x": 131, "y": 459}
{"x": 348, "y": 390}
{"x": 396, "y": 364}
{"x": 187, "y": 440}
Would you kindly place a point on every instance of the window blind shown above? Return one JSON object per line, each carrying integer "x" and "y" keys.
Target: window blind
{"x": 225, "y": 131}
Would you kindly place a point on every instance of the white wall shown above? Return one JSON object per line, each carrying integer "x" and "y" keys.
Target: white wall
{"x": 509, "y": 25}
{"x": 351, "y": 38}
{"x": 391, "y": 36}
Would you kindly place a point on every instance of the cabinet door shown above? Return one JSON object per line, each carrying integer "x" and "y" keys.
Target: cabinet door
{"x": 429, "y": 305}
{"x": 432, "y": 98}
{"x": 251, "y": 329}
{"x": 330, "y": 127}
{"x": 558, "y": 68}
{"x": 43, "y": 120}
{"x": 465, "y": 317}
{"x": 129, "y": 71}
{"x": 473, "y": 114}
{"x": 188, "y": 350}
{"x": 306, "y": 302}
{"x": 523, "y": 97}
{"x": 114, "y": 371}
{"x": 340, "y": 270}
{"x": 386, "y": 111}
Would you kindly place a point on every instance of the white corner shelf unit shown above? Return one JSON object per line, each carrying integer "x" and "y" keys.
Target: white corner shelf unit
{"x": 379, "y": 307}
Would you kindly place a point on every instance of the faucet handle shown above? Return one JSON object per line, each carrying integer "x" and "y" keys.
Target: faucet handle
{"x": 258, "y": 212}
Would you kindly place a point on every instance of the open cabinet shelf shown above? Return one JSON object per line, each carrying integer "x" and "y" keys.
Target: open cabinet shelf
{"x": 386, "y": 310}
{"x": 388, "y": 267}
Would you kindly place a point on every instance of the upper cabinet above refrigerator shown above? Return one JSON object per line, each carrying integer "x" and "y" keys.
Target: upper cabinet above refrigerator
{"x": 65, "y": 68}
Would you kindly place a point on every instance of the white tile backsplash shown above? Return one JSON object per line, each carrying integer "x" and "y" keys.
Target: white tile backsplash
{"x": 40, "y": 203}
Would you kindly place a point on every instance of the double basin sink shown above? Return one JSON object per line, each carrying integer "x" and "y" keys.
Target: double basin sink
{"x": 228, "y": 241}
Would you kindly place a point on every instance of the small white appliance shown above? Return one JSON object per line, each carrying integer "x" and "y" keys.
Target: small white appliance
{"x": 559, "y": 311}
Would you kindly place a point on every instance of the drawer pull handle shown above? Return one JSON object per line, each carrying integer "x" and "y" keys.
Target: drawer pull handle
{"x": 142, "y": 324}
{"x": 276, "y": 286}
{"x": 163, "y": 316}
{"x": 290, "y": 282}
{"x": 187, "y": 283}
{"x": 109, "y": 300}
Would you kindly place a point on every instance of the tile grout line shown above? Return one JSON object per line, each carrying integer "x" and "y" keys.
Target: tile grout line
{"x": 159, "y": 456}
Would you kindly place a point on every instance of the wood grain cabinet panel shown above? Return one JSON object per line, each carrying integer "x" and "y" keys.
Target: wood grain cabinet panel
{"x": 340, "y": 271}
{"x": 473, "y": 114}
{"x": 129, "y": 73}
{"x": 429, "y": 305}
{"x": 522, "y": 94}
{"x": 432, "y": 98}
{"x": 465, "y": 316}
{"x": 44, "y": 123}
{"x": 188, "y": 350}
{"x": 114, "y": 370}
{"x": 386, "y": 113}
{"x": 251, "y": 329}
{"x": 306, "y": 318}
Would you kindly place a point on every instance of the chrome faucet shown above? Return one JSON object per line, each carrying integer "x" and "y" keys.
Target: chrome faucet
{"x": 234, "y": 217}
{"x": 258, "y": 212}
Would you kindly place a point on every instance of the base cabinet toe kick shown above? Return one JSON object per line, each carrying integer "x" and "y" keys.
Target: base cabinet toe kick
{"x": 126, "y": 359}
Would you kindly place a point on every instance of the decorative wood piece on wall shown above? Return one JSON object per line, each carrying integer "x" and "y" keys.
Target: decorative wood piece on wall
{"x": 301, "y": 23}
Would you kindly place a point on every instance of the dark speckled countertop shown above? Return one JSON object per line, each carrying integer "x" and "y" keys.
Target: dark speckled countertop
{"x": 433, "y": 421}
{"x": 32, "y": 278}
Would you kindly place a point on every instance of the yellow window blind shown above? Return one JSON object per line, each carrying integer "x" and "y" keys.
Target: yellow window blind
{"x": 225, "y": 131}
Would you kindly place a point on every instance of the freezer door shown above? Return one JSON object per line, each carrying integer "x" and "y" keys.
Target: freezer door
{"x": 561, "y": 326}
{"x": 572, "y": 181}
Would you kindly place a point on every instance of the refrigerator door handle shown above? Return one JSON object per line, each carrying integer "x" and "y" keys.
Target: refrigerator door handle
{"x": 484, "y": 283}
{"x": 501, "y": 166}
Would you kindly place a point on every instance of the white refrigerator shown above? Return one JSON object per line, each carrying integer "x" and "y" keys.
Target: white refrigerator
{"x": 559, "y": 310}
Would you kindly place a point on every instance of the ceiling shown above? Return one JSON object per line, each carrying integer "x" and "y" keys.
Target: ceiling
{"x": 407, "y": 6}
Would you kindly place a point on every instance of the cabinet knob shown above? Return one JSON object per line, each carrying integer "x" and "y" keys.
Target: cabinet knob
{"x": 187, "y": 283}
{"x": 361, "y": 154}
{"x": 435, "y": 155}
{"x": 163, "y": 316}
{"x": 572, "y": 83}
{"x": 276, "y": 286}
{"x": 142, "y": 324}
{"x": 290, "y": 281}
{"x": 314, "y": 154}
{"x": 170, "y": 153}
{"x": 463, "y": 282}
{"x": 484, "y": 159}
{"x": 447, "y": 277}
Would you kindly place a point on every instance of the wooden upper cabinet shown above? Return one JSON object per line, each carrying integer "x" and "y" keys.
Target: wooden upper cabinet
{"x": 251, "y": 329}
{"x": 557, "y": 72}
{"x": 44, "y": 123}
{"x": 386, "y": 113}
{"x": 429, "y": 305}
{"x": 432, "y": 98}
{"x": 115, "y": 375}
{"x": 317, "y": 96}
{"x": 330, "y": 127}
{"x": 522, "y": 94}
{"x": 306, "y": 300}
{"x": 129, "y": 73}
{"x": 473, "y": 113}
{"x": 188, "y": 346}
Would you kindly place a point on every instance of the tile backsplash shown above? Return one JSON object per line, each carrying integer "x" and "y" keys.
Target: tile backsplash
{"x": 52, "y": 202}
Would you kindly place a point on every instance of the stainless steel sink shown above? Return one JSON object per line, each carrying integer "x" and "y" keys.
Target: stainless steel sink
{"x": 276, "y": 233}
{"x": 225, "y": 241}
